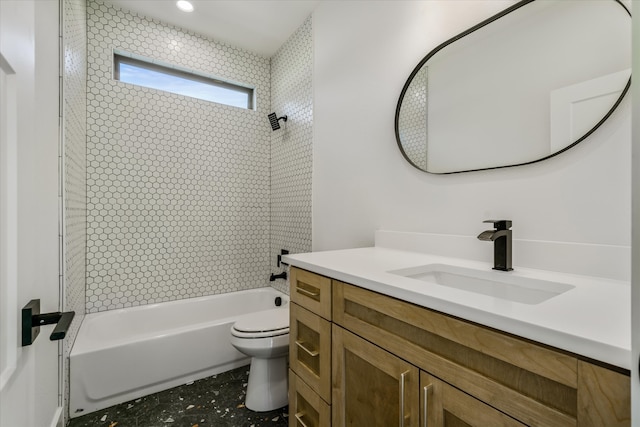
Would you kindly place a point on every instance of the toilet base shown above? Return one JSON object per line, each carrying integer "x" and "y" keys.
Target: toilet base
{"x": 268, "y": 384}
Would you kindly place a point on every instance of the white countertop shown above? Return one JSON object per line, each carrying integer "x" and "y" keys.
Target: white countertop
{"x": 592, "y": 320}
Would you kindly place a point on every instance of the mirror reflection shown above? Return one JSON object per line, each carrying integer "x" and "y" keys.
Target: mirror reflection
{"x": 520, "y": 87}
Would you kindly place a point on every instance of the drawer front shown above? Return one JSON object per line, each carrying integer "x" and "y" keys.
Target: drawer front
{"x": 306, "y": 408}
{"x": 311, "y": 291}
{"x": 310, "y": 350}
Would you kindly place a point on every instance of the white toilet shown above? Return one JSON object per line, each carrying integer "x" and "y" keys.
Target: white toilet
{"x": 264, "y": 336}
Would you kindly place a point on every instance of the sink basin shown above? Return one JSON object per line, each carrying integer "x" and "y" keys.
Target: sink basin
{"x": 503, "y": 285}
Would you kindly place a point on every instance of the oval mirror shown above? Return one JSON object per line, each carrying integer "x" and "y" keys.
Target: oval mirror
{"x": 519, "y": 87}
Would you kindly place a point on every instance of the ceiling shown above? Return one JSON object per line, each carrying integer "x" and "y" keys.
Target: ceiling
{"x": 259, "y": 26}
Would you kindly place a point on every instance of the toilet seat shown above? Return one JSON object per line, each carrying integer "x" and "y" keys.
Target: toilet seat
{"x": 262, "y": 324}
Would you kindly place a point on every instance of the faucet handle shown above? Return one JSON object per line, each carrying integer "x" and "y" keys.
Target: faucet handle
{"x": 499, "y": 224}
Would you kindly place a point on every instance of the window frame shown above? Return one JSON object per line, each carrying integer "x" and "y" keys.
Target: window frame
{"x": 149, "y": 64}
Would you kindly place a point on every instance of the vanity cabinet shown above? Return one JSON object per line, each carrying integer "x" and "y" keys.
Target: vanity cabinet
{"x": 396, "y": 363}
{"x": 372, "y": 387}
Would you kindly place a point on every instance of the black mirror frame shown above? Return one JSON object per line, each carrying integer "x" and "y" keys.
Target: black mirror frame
{"x": 463, "y": 34}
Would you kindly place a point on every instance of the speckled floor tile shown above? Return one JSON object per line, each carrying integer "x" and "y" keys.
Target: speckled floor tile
{"x": 217, "y": 401}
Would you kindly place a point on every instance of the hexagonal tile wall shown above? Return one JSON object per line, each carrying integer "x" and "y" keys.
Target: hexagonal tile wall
{"x": 177, "y": 188}
{"x": 413, "y": 120}
{"x": 291, "y": 147}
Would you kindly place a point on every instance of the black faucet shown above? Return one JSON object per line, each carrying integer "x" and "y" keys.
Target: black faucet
{"x": 282, "y": 275}
{"x": 501, "y": 238}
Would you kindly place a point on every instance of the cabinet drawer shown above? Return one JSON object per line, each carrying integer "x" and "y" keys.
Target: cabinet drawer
{"x": 310, "y": 350}
{"x": 311, "y": 291}
{"x": 306, "y": 408}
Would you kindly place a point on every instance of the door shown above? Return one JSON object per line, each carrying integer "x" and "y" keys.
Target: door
{"x": 443, "y": 405}
{"x": 29, "y": 217}
{"x": 371, "y": 387}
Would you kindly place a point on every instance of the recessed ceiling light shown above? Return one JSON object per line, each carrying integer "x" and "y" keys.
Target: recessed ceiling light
{"x": 184, "y": 6}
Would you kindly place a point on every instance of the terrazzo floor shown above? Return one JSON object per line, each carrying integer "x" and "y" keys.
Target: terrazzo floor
{"x": 217, "y": 401}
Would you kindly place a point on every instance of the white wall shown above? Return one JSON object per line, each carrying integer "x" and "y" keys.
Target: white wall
{"x": 364, "y": 51}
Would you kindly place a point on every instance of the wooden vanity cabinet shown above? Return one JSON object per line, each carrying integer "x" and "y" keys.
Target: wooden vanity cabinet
{"x": 373, "y": 387}
{"x": 398, "y": 364}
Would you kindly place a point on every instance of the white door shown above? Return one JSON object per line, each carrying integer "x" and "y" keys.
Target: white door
{"x": 29, "y": 236}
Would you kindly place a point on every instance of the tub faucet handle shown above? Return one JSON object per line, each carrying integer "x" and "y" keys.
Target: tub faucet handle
{"x": 282, "y": 275}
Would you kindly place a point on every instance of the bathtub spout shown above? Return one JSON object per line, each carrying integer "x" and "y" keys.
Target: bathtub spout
{"x": 282, "y": 275}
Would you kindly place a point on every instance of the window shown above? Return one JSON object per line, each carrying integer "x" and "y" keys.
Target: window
{"x": 150, "y": 74}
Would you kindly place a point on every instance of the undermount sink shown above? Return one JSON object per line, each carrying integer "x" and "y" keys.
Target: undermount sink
{"x": 503, "y": 285}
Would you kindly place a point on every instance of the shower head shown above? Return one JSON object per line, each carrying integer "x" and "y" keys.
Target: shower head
{"x": 274, "y": 121}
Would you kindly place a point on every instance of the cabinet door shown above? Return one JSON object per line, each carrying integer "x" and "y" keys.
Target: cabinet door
{"x": 442, "y": 405}
{"x": 371, "y": 387}
{"x": 604, "y": 397}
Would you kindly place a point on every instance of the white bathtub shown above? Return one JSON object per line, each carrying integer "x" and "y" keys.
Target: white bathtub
{"x": 120, "y": 355}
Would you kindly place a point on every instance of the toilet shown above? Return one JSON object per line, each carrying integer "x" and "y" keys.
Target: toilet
{"x": 264, "y": 336}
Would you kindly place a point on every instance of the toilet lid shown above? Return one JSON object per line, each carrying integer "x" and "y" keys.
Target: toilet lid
{"x": 273, "y": 320}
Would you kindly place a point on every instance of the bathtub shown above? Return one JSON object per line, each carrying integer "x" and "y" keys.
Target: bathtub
{"x": 124, "y": 354}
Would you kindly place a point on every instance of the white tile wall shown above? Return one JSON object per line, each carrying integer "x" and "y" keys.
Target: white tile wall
{"x": 291, "y": 147}
{"x": 177, "y": 188}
